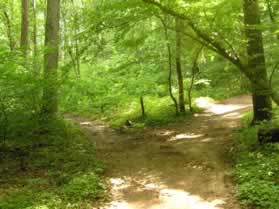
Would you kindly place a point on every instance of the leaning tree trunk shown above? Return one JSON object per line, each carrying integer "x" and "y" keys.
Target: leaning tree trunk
{"x": 181, "y": 101}
{"x": 256, "y": 61}
{"x": 50, "y": 100}
{"x": 24, "y": 26}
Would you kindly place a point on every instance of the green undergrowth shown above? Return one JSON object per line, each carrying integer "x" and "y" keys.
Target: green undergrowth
{"x": 55, "y": 168}
{"x": 257, "y": 168}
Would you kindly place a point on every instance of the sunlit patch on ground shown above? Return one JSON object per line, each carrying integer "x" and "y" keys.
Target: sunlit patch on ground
{"x": 204, "y": 102}
{"x": 169, "y": 199}
{"x": 220, "y": 109}
{"x": 86, "y": 123}
{"x": 165, "y": 133}
{"x": 172, "y": 198}
{"x": 206, "y": 140}
{"x": 160, "y": 196}
{"x": 185, "y": 137}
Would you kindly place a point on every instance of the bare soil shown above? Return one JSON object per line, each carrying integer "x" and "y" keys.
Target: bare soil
{"x": 183, "y": 165}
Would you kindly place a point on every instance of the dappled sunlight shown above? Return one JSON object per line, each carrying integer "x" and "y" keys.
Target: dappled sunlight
{"x": 165, "y": 133}
{"x": 233, "y": 115}
{"x": 147, "y": 191}
{"x": 85, "y": 123}
{"x": 204, "y": 102}
{"x": 220, "y": 109}
{"x": 185, "y": 137}
{"x": 176, "y": 199}
{"x": 162, "y": 197}
{"x": 207, "y": 140}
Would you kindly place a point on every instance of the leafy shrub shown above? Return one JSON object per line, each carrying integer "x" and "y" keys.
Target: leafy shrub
{"x": 19, "y": 95}
{"x": 85, "y": 186}
{"x": 257, "y": 169}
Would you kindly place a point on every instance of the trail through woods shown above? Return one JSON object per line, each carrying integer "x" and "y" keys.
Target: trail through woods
{"x": 183, "y": 165}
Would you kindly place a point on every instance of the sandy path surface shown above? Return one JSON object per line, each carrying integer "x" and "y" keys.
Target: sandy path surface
{"x": 183, "y": 165}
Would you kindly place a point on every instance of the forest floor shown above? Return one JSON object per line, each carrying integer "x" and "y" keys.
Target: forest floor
{"x": 185, "y": 165}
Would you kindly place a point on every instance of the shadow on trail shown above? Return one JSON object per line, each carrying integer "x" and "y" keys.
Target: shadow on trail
{"x": 179, "y": 166}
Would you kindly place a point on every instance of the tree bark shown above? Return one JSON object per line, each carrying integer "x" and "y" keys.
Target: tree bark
{"x": 77, "y": 51}
{"x": 50, "y": 100}
{"x": 256, "y": 61}
{"x": 142, "y": 107}
{"x": 170, "y": 65}
{"x": 24, "y": 26}
{"x": 9, "y": 30}
{"x": 195, "y": 71}
{"x": 35, "y": 47}
{"x": 181, "y": 101}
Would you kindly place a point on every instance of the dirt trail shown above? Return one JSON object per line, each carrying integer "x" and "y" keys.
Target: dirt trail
{"x": 178, "y": 166}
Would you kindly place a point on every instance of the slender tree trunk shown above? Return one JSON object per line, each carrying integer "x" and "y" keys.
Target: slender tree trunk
{"x": 50, "y": 100}
{"x": 77, "y": 51}
{"x": 181, "y": 100}
{"x": 195, "y": 71}
{"x": 4, "y": 121}
{"x": 142, "y": 107}
{"x": 9, "y": 30}
{"x": 256, "y": 61}
{"x": 170, "y": 66}
{"x": 24, "y": 26}
{"x": 35, "y": 47}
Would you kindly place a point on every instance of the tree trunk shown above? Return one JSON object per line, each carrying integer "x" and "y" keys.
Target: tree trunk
{"x": 256, "y": 61}
{"x": 195, "y": 71}
{"x": 181, "y": 100}
{"x": 35, "y": 47}
{"x": 170, "y": 66}
{"x": 77, "y": 51}
{"x": 142, "y": 107}
{"x": 50, "y": 100}
{"x": 24, "y": 26}
{"x": 9, "y": 30}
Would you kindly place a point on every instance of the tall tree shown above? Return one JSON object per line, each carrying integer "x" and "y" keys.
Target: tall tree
{"x": 256, "y": 60}
{"x": 35, "y": 50}
{"x": 50, "y": 100}
{"x": 178, "y": 27}
{"x": 169, "y": 64}
{"x": 24, "y": 26}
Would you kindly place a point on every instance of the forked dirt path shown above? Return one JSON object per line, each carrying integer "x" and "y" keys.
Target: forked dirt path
{"x": 179, "y": 166}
